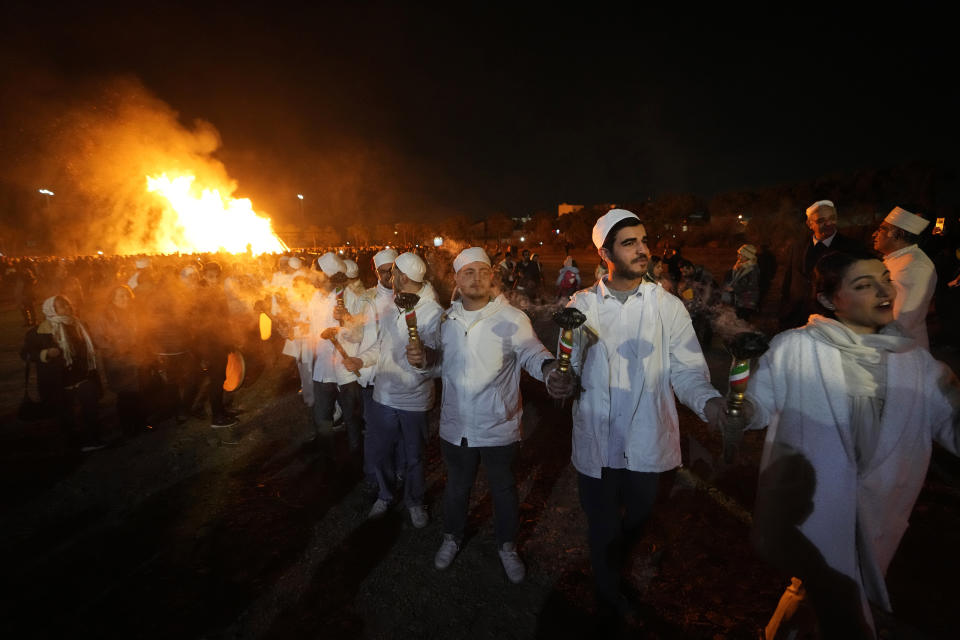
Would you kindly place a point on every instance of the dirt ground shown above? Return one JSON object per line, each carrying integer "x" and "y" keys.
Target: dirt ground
{"x": 183, "y": 532}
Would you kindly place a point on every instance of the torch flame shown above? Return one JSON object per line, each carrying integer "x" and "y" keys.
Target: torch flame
{"x": 210, "y": 221}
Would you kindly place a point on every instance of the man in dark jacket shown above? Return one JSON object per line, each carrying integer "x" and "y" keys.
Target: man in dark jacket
{"x": 797, "y": 300}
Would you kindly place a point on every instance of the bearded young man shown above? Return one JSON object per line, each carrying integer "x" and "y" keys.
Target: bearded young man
{"x": 635, "y": 350}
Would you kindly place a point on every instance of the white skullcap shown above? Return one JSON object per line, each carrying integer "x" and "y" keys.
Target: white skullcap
{"x": 352, "y": 270}
{"x": 143, "y": 263}
{"x": 331, "y": 264}
{"x": 606, "y": 222}
{"x": 387, "y": 256}
{"x": 820, "y": 203}
{"x": 473, "y": 254}
{"x": 294, "y": 263}
{"x": 411, "y": 265}
{"x": 188, "y": 271}
{"x": 909, "y": 222}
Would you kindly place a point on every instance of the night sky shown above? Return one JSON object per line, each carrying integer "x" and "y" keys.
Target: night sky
{"x": 397, "y": 113}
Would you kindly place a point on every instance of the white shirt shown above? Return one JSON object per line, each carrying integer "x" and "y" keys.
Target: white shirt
{"x": 481, "y": 359}
{"x": 631, "y": 359}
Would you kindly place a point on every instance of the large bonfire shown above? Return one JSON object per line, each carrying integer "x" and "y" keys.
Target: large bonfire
{"x": 196, "y": 219}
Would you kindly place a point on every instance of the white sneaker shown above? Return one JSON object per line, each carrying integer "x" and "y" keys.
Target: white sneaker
{"x": 512, "y": 564}
{"x": 418, "y": 516}
{"x": 447, "y": 552}
{"x": 378, "y": 509}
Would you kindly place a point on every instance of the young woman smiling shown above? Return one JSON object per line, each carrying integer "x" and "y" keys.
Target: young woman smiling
{"x": 852, "y": 408}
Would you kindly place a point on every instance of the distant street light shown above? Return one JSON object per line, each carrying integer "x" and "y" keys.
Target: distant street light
{"x": 438, "y": 241}
{"x": 47, "y": 194}
{"x": 522, "y": 239}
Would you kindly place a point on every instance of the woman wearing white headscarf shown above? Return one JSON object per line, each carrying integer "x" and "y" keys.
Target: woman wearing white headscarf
{"x": 852, "y": 407}
{"x": 66, "y": 369}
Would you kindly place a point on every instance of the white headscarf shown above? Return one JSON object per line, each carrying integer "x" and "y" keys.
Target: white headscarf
{"x": 57, "y": 323}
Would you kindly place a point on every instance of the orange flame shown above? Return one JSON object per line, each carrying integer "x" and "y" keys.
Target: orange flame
{"x": 210, "y": 221}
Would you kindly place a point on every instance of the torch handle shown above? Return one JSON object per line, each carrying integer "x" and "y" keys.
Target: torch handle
{"x": 342, "y": 352}
{"x": 736, "y": 420}
{"x": 410, "y": 316}
{"x": 564, "y": 349}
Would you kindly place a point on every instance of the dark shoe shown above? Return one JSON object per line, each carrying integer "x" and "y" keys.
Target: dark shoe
{"x": 223, "y": 422}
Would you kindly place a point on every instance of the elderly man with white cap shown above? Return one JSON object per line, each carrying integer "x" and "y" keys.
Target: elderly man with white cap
{"x": 332, "y": 382}
{"x": 911, "y": 271}
{"x": 402, "y": 395}
{"x": 636, "y": 349}
{"x": 796, "y": 300}
{"x": 484, "y": 343}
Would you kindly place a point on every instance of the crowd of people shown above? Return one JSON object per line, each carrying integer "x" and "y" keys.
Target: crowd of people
{"x": 849, "y": 393}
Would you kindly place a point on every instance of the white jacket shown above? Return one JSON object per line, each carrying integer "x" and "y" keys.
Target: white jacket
{"x": 914, "y": 278}
{"x": 400, "y": 385}
{"x": 799, "y": 390}
{"x": 328, "y": 363}
{"x": 631, "y": 358}
{"x": 480, "y": 366}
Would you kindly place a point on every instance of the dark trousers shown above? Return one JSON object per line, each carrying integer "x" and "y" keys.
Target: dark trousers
{"x": 386, "y": 427}
{"x": 86, "y": 394}
{"x": 462, "y": 463}
{"x": 325, "y": 394}
{"x": 131, "y": 411}
{"x": 611, "y": 534}
{"x": 216, "y": 374}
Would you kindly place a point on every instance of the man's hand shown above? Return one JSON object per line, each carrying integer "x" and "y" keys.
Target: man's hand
{"x": 560, "y": 386}
{"x": 340, "y": 314}
{"x": 416, "y": 354}
{"x": 52, "y": 352}
{"x": 716, "y": 411}
{"x": 353, "y": 365}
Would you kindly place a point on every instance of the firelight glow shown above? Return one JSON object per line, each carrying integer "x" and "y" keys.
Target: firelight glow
{"x": 208, "y": 221}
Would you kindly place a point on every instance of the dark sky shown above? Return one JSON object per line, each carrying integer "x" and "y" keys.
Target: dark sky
{"x": 404, "y": 112}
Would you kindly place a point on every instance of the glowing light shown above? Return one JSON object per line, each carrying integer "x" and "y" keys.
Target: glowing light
{"x": 208, "y": 221}
{"x": 99, "y": 253}
{"x": 522, "y": 239}
{"x": 556, "y": 231}
{"x": 46, "y": 192}
{"x": 300, "y": 196}
{"x": 438, "y": 241}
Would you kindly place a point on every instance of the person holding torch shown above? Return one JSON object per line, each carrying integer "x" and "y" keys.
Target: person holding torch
{"x": 403, "y": 394}
{"x": 635, "y": 349}
{"x": 484, "y": 344}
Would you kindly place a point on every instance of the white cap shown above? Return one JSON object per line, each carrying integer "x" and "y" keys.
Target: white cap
{"x": 467, "y": 256}
{"x": 606, "y": 222}
{"x": 820, "y": 203}
{"x": 411, "y": 265}
{"x": 188, "y": 271}
{"x": 352, "y": 270}
{"x": 143, "y": 263}
{"x": 386, "y": 256}
{"x": 331, "y": 264}
{"x": 294, "y": 263}
{"x": 909, "y": 222}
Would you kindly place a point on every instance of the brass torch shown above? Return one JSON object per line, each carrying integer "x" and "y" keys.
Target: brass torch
{"x": 569, "y": 319}
{"x": 406, "y": 303}
{"x": 743, "y": 347}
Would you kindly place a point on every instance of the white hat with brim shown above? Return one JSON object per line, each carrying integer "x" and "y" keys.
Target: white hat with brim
{"x": 386, "y": 256}
{"x": 909, "y": 222}
{"x": 411, "y": 265}
{"x": 331, "y": 264}
{"x": 820, "y": 203}
{"x": 607, "y": 222}
{"x": 467, "y": 256}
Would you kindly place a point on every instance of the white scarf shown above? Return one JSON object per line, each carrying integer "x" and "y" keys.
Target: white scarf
{"x": 57, "y": 323}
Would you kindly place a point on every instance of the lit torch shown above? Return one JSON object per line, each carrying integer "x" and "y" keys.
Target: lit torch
{"x": 568, "y": 319}
{"x": 743, "y": 347}
{"x": 406, "y": 303}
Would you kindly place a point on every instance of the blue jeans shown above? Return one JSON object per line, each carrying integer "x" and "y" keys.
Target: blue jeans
{"x": 462, "y": 463}
{"x": 386, "y": 427}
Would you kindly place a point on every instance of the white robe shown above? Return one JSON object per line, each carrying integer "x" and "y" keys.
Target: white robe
{"x": 914, "y": 278}
{"x": 799, "y": 390}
